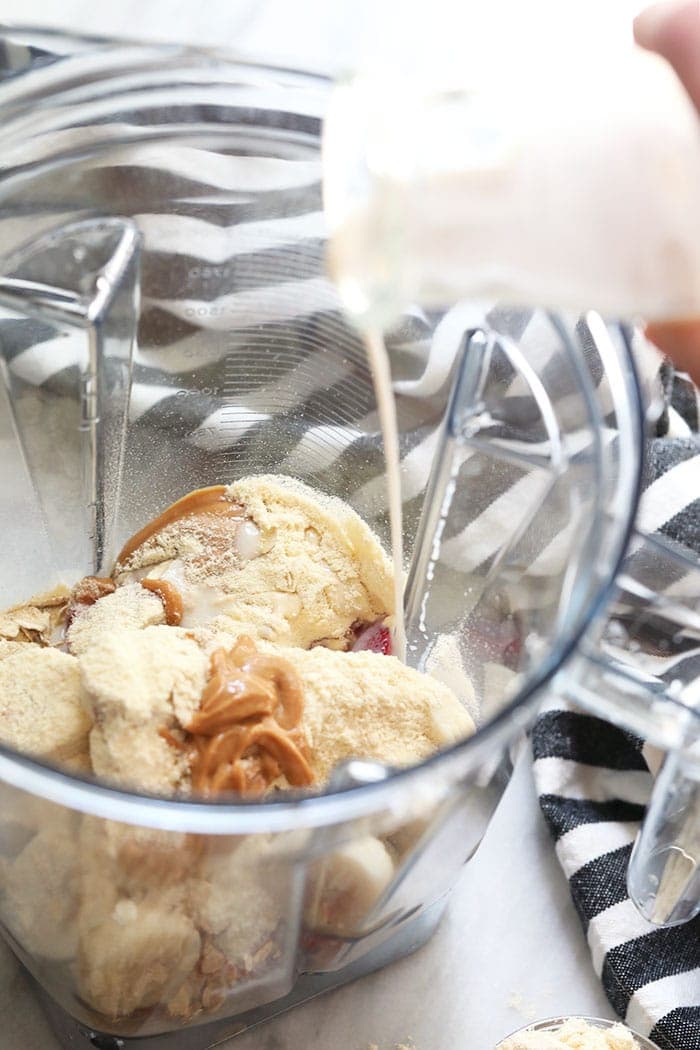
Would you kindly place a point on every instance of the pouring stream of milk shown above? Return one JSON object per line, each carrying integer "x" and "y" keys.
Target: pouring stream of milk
{"x": 381, "y": 375}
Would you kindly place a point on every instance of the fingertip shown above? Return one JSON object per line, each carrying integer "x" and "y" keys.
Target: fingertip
{"x": 679, "y": 340}
{"x": 655, "y": 24}
{"x": 648, "y": 23}
{"x": 672, "y": 30}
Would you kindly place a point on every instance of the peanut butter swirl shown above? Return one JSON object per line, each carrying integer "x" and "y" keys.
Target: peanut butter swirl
{"x": 170, "y": 597}
{"x": 212, "y": 500}
{"x": 247, "y": 731}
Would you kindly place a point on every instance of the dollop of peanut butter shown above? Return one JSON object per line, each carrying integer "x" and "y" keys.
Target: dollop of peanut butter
{"x": 170, "y": 597}
{"x": 211, "y": 500}
{"x": 246, "y": 733}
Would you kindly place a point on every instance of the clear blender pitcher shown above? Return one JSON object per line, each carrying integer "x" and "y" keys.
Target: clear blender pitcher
{"x": 166, "y": 323}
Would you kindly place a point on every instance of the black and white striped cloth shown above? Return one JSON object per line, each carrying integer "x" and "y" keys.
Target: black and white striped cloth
{"x": 594, "y": 782}
{"x": 309, "y": 412}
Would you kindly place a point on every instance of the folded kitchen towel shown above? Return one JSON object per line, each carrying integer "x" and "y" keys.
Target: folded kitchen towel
{"x": 594, "y": 783}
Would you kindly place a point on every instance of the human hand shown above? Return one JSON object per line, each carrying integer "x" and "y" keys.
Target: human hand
{"x": 672, "y": 29}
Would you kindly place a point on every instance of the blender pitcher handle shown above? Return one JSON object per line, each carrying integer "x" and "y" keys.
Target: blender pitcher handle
{"x": 639, "y": 667}
{"x": 663, "y": 878}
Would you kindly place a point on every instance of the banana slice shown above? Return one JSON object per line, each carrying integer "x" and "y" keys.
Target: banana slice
{"x": 39, "y": 900}
{"x": 405, "y": 836}
{"x": 138, "y": 955}
{"x": 347, "y": 884}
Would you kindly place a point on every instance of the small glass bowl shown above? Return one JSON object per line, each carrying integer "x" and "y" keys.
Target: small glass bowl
{"x": 552, "y": 1024}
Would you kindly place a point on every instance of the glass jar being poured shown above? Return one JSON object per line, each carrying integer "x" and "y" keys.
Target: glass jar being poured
{"x": 528, "y": 186}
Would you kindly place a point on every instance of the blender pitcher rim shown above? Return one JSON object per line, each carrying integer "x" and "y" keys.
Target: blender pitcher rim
{"x": 226, "y": 54}
{"x": 167, "y": 49}
{"x": 226, "y": 817}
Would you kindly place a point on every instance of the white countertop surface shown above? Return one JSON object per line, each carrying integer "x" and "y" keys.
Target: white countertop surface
{"x": 510, "y": 948}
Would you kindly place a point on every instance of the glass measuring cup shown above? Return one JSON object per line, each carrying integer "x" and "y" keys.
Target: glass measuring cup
{"x": 166, "y": 323}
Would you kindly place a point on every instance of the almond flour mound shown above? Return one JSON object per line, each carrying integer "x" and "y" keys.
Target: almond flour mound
{"x": 574, "y": 1034}
{"x": 129, "y": 606}
{"x": 40, "y": 704}
{"x": 298, "y": 569}
{"x": 135, "y": 683}
{"x": 365, "y": 705}
{"x": 355, "y": 705}
{"x": 320, "y": 569}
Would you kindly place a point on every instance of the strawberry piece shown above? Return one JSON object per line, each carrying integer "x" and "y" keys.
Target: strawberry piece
{"x": 376, "y": 638}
